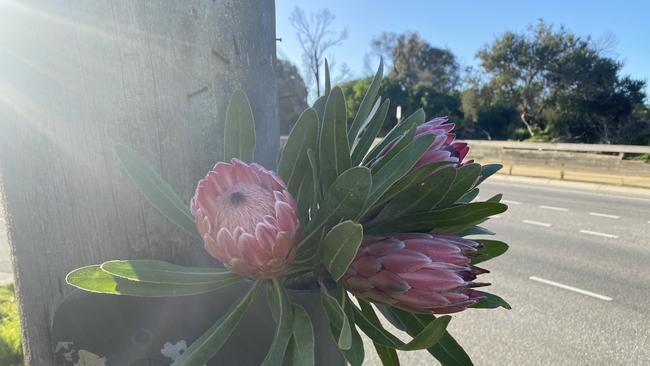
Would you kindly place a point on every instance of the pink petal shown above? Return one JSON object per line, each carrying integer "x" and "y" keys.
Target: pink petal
{"x": 250, "y": 251}
{"x": 366, "y": 266}
{"x": 226, "y": 241}
{"x": 433, "y": 280}
{"x": 388, "y": 282}
{"x": 286, "y": 216}
{"x": 419, "y": 298}
{"x": 381, "y": 248}
{"x": 377, "y": 296}
{"x": 214, "y": 248}
{"x": 242, "y": 267}
{"x": 283, "y": 245}
{"x": 359, "y": 283}
{"x": 243, "y": 173}
{"x": 404, "y": 261}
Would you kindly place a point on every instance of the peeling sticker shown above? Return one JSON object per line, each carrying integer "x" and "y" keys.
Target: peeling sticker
{"x": 174, "y": 351}
{"x": 90, "y": 359}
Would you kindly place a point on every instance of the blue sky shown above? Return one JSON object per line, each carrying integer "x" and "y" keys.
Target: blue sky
{"x": 464, "y": 26}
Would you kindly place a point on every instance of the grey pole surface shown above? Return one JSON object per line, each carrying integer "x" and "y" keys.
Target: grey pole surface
{"x": 76, "y": 78}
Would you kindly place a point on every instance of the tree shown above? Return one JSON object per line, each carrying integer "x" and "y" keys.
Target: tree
{"x": 409, "y": 100}
{"x": 415, "y": 61}
{"x": 560, "y": 84}
{"x": 292, "y": 95}
{"x": 315, "y": 37}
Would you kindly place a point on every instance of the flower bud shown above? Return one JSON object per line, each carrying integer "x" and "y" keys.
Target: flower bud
{"x": 443, "y": 148}
{"x": 247, "y": 219}
{"x": 423, "y": 273}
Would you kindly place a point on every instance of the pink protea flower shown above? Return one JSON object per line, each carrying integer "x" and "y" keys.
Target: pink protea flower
{"x": 247, "y": 219}
{"x": 443, "y": 148}
{"x": 424, "y": 273}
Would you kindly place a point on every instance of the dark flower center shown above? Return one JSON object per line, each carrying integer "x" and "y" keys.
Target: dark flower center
{"x": 237, "y": 197}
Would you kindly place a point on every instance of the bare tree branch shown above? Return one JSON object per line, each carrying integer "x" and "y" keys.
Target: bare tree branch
{"x": 315, "y": 37}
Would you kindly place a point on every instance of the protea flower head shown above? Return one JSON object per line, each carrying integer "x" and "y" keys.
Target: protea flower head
{"x": 443, "y": 148}
{"x": 424, "y": 273}
{"x": 247, "y": 219}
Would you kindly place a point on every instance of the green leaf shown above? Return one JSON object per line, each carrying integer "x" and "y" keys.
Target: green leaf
{"x": 420, "y": 197}
{"x": 313, "y": 165}
{"x": 491, "y": 249}
{"x": 93, "y": 279}
{"x": 397, "y": 167}
{"x": 328, "y": 84}
{"x": 319, "y": 107}
{"x": 366, "y": 104}
{"x": 475, "y": 230}
{"x": 401, "y": 143}
{"x": 356, "y": 353}
{"x": 346, "y": 197}
{"x": 430, "y": 335}
{"x": 344, "y": 200}
{"x": 367, "y": 320}
{"x": 208, "y": 344}
{"x": 285, "y": 326}
{"x": 340, "y": 246}
{"x": 469, "y": 196}
{"x": 294, "y": 162}
{"x": 158, "y": 192}
{"x": 339, "y": 323}
{"x": 491, "y": 301}
{"x": 302, "y": 342}
{"x": 334, "y": 151}
{"x": 488, "y": 170}
{"x": 416, "y": 176}
{"x": 239, "y": 132}
{"x": 305, "y": 196}
{"x": 368, "y": 134}
{"x": 415, "y": 119}
{"x": 466, "y": 177}
{"x": 387, "y": 355}
{"x": 447, "y": 351}
{"x": 448, "y": 220}
{"x": 496, "y": 198}
{"x": 154, "y": 271}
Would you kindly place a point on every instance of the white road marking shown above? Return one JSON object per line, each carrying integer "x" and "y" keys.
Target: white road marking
{"x": 511, "y": 202}
{"x": 571, "y": 288}
{"x": 554, "y": 208}
{"x": 604, "y": 215}
{"x": 536, "y": 223}
{"x": 599, "y": 234}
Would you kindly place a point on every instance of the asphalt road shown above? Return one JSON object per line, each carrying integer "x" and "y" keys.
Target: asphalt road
{"x": 590, "y": 242}
{"x": 593, "y": 248}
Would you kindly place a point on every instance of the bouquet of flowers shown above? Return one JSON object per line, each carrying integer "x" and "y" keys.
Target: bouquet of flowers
{"x": 362, "y": 220}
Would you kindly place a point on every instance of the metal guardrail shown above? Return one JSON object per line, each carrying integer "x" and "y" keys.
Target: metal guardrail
{"x": 550, "y": 146}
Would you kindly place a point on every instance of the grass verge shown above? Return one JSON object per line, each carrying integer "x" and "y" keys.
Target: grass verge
{"x": 11, "y": 353}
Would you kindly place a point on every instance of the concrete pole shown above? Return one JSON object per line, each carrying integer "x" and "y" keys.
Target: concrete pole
{"x": 77, "y": 77}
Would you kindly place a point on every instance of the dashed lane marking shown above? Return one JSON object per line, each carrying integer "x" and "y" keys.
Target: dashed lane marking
{"x": 596, "y": 233}
{"x": 554, "y": 208}
{"x": 571, "y": 288}
{"x": 538, "y": 223}
{"x": 604, "y": 215}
